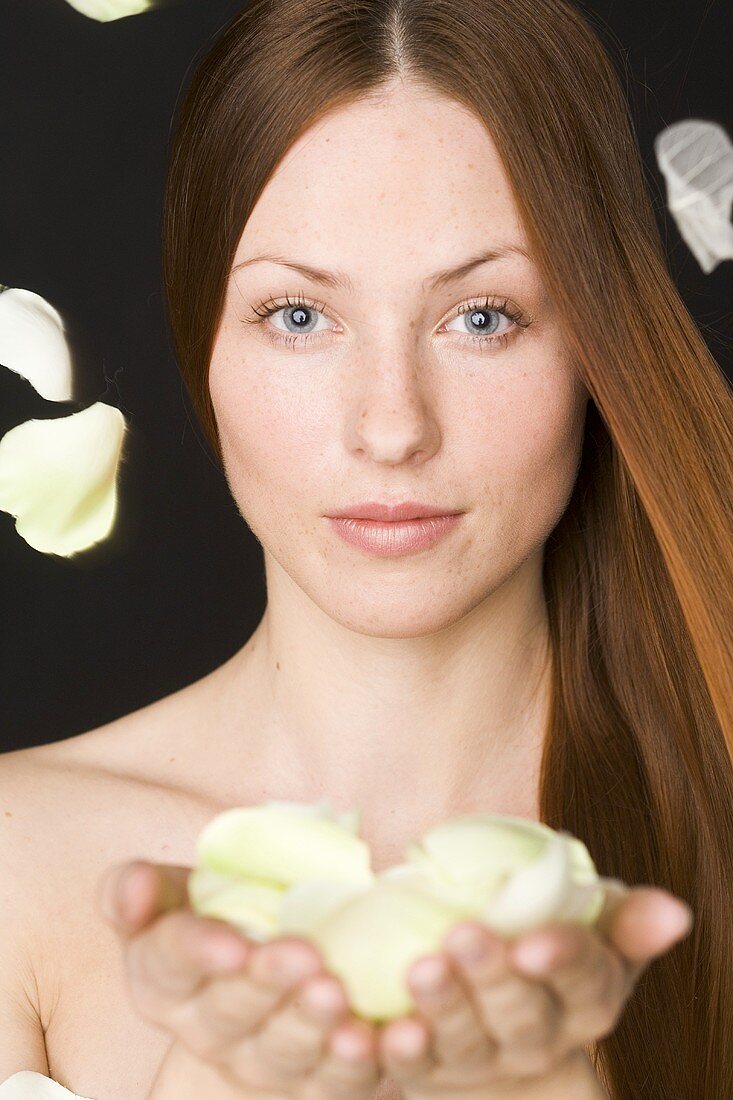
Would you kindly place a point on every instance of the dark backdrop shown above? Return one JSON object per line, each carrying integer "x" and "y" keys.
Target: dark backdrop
{"x": 85, "y": 112}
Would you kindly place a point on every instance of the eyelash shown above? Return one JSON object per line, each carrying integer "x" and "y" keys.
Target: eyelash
{"x": 266, "y": 309}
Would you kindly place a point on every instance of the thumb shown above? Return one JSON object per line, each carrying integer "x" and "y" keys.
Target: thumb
{"x": 642, "y": 922}
{"x": 134, "y": 893}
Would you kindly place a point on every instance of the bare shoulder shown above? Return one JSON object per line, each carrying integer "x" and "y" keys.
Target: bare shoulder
{"x": 69, "y": 810}
{"x": 29, "y": 869}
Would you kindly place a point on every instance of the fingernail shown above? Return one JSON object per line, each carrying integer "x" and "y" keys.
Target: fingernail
{"x": 226, "y": 957}
{"x": 431, "y": 976}
{"x": 469, "y": 945}
{"x": 129, "y": 904}
{"x": 534, "y": 956}
{"x": 293, "y": 967}
{"x": 303, "y": 966}
{"x": 683, "y": 917}
{"x": 114, "y": 890}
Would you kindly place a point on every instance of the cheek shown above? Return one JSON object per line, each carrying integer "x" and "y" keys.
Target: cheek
{"x": 527, "y": 459}
{"x": 264, "y": 437}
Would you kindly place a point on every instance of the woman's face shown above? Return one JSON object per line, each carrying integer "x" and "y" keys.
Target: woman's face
{"x": 379, "y": 387}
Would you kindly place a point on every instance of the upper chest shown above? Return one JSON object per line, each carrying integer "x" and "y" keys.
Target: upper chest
{"x": 97, "y": 1043}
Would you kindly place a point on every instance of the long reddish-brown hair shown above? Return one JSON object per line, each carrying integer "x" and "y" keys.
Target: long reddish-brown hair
{"x": 638, "y": 573}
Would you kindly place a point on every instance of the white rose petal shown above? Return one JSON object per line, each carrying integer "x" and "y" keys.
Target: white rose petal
{"x": 349, "y": 819}
{"x": 519, "y": 874}
{"x": 695, "y": 157}
{"x": 253, "y": 907}
{"x": 471, "y": 895}
{"x": 33, "y": 343}
{"x": 370, "y": 941}
{"x": 285, "y": 844}
{"x": 534, "y": 894}
{"x": 59, "y": 478}
{"x": 289, "y": 868}
{"x": 104, "y": 11}
{"x": 307, "y": 904}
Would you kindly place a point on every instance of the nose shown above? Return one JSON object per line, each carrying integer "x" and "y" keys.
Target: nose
{"x": 391, "y": 417}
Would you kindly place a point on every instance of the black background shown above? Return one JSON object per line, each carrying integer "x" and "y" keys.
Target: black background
{"x": 85, "y": 114}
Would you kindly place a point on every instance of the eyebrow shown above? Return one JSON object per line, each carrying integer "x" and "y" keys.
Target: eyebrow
{"x": 339, "y": 279}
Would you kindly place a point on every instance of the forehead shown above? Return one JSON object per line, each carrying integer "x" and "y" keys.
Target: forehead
{"x": 411, "y": 178}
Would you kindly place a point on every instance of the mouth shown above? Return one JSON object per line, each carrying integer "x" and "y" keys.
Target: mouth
{"x": 393, "y": 513}
{"x": 391, "y": 538}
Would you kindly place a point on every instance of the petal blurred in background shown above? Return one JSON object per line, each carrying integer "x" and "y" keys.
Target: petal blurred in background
{"x": 123, "y": 554}
{"x": 105, "y": 11}
{"x": 696, "y": 159}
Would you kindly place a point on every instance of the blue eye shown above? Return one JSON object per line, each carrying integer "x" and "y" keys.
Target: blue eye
{"x": 484, "y": 330}
{"x": 300, "y": 321}
{"x": 298, "y": 318}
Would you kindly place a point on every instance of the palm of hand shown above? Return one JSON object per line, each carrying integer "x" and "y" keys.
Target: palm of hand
{"x": 518, "y": 1011}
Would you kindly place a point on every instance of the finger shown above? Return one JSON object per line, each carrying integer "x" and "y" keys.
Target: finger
{"x": 643, "y": 922}
{"x": 350, "y": 1066}
{"x": 293, "y": 1041}
{"x": 521, "y": 1016}
{"x": 222, "y": 1015}
{"x": 443, "y": 999}
{"x": 587, "y": 976}
{"x": 405, "y": 1049}
{"x": 135, "y": 892}
{"x": 168, "y": 962}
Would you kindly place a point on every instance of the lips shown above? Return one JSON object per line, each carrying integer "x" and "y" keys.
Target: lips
{"x": 396, "y": 538}
{"x": 393, "y": 513}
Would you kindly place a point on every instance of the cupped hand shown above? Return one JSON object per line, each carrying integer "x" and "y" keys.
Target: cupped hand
{"x": 268, "y": 1016}
{"x": 491, "y": 1018}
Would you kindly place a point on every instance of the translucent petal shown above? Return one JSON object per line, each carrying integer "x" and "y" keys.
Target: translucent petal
{"x": 585, "y": 900}
{"x": 308, "y": 904}
{"x": 474, "y": 862}
{"x": 283, "y": 845}
{"x": 349, "y": 819}
{"x": 481, "y": 846}
{"x": 59, "y": 478}
{"x": 252, "y": 906}
{"x": 533, "y": 894}
{"x": 371, "y": 940}
{"x": 696, "y": 159}
{"x": 471, "y": 895}
{"x": 33, "y": 343}
{"x": 104, "y": 11}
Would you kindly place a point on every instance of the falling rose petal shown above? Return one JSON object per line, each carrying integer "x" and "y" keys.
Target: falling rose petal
{"x": 696, "y": 159}
{"x": 104, "y": 11}
{"x": 33, "y": 343}
{"x": 59, "y": 478}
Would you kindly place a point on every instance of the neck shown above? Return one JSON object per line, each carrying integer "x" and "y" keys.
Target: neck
{"x": 419, "y": 728}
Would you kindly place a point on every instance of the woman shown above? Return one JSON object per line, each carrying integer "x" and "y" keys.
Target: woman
{"x": 410, "y": 257}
